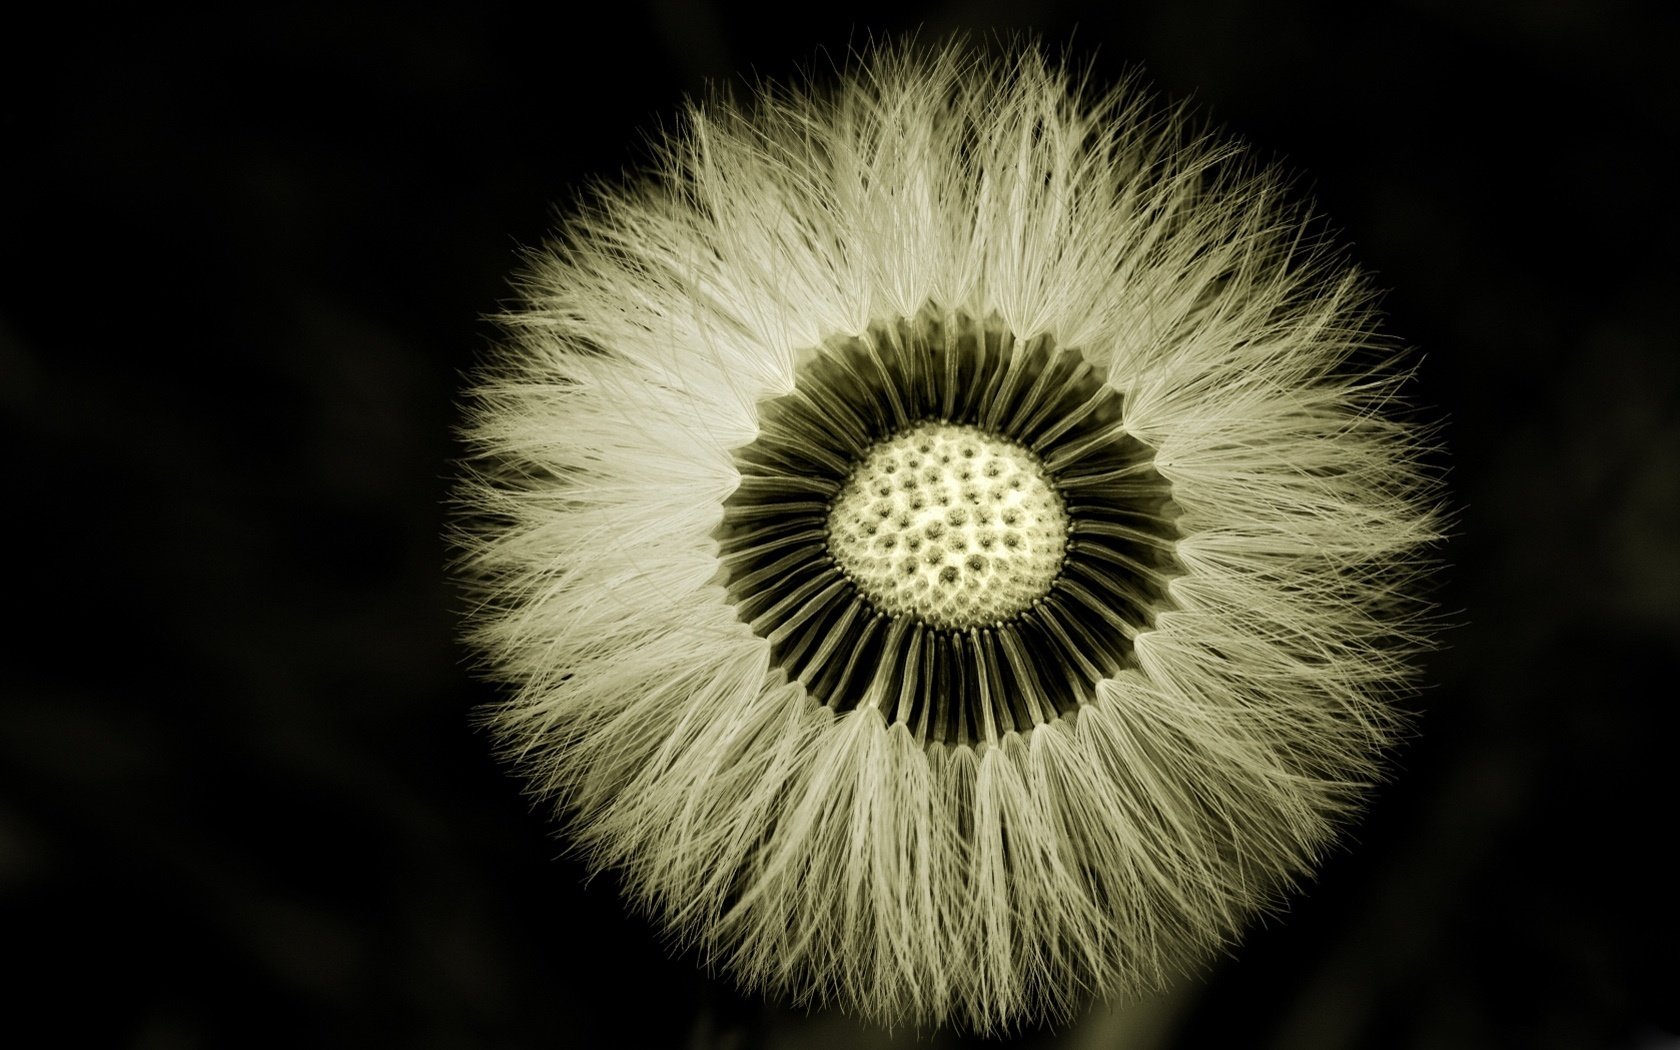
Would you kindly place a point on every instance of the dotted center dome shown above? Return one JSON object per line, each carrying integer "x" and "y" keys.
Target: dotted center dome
{"x": 949, "y": 524}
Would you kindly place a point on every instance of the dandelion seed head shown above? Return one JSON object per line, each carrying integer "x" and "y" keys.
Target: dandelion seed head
{"x": 944, "y": 539}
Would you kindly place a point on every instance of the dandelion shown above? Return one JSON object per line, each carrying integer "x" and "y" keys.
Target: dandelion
{"x": 945, "y": 550}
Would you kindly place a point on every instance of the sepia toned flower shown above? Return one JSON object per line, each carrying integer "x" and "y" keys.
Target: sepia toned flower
{"x": 948, "y": 538}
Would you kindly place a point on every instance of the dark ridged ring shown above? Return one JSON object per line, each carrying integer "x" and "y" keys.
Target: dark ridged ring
{"x": 950, "y": 682}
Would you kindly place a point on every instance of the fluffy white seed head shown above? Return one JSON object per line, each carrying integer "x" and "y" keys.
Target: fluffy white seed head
{"x": 913, "y": 798}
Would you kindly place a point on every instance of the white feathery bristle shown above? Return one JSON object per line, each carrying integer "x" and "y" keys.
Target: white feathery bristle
{"x": 832, "y": 857}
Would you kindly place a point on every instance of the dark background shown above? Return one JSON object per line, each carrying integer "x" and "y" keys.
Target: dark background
{"x": 246, "y": 257}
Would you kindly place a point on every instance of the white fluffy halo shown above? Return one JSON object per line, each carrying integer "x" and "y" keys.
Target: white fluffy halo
{"x": 840, "y": 855}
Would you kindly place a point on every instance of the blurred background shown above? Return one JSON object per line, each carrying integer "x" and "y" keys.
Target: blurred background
{"x": 246, "y": 257}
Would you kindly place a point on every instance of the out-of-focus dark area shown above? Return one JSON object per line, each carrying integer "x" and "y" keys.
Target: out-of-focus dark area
{"x": 246, "y": 257}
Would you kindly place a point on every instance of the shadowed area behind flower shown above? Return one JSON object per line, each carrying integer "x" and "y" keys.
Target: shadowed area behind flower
{"x": 239, "y": 801}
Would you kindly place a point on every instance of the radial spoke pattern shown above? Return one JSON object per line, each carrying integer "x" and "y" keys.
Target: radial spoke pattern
{"x": 948, "y": 682}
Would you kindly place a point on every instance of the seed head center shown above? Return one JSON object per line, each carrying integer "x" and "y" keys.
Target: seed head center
{"x": 950, "y": 524}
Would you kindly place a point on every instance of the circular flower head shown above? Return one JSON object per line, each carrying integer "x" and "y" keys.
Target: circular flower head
{"x": 944, "y": 541}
